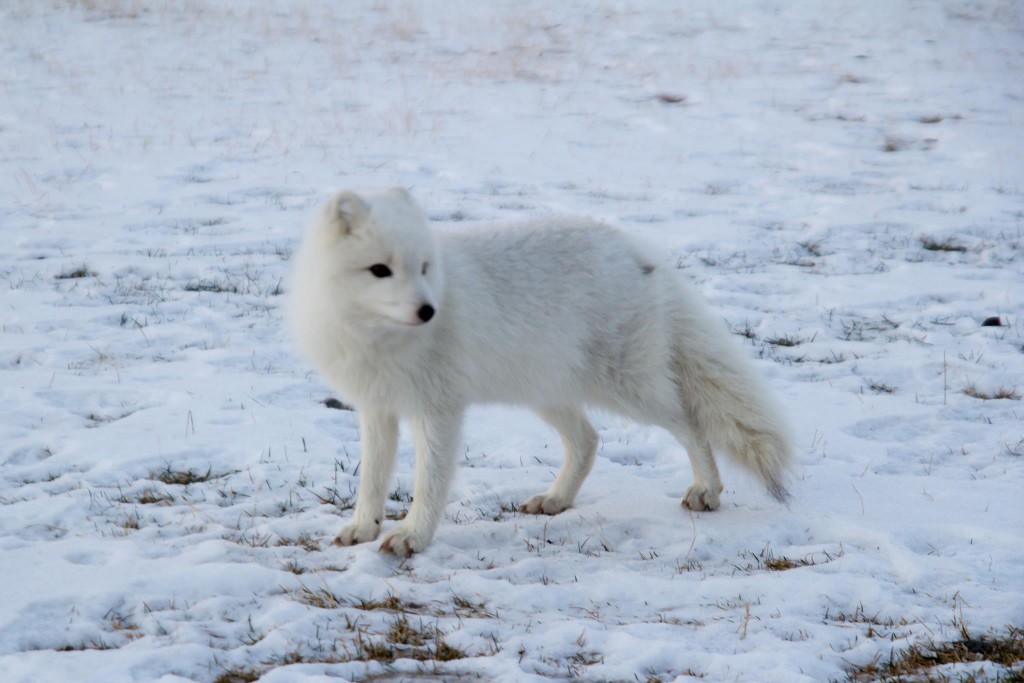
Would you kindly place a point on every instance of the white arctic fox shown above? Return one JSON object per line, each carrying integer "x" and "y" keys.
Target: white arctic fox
{"x": 555, "y": 315}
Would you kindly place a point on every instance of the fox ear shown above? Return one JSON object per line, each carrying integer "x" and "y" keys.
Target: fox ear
{"x": 402, "y": 195}
{"x": 400, "y": 192}
{"x": 347, "y": 209}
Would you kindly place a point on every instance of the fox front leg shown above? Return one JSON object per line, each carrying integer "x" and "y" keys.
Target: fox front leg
{"x": 436, "y": 438}
{"x": 379, "y": 437}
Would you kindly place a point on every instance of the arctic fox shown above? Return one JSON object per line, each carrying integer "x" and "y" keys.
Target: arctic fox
{"x": 554, "y": 314}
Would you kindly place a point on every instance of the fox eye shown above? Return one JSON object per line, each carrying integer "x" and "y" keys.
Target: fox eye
{"x": 426, "y": 264}
{"x": 380, "y": 270}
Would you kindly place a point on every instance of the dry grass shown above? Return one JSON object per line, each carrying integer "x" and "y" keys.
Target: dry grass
{"x": 766, "y": 559}
{"x": 811, "y": 247}
{"x": 876, "y": 625}
{"x": 149, "y": 496}
{"x": 306, "y": 541}
{"x": 787, "y": 340}
{"x": 894, "y": 144}
{"x": 321, "y": 598}
{"x": 76, "y": 273}
{"x": 240, "y": 674}
{"x": 407, "y": 634}
{"x": 1000, "y": 393}
{"x": 174, "y": 477}
{"x": 391, "y": 603}
{"x": 746, "y": 331}
{"x": 920, "y": 662}
{"x": 945, "y": 245}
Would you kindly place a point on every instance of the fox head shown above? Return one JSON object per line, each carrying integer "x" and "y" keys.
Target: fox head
{"x": 379, "y": 257}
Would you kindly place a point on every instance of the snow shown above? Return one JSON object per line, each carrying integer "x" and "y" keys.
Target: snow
{"x": 791, "y": 158}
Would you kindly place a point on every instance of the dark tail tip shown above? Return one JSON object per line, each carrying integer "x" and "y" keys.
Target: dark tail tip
{"x": 778, "y": 491}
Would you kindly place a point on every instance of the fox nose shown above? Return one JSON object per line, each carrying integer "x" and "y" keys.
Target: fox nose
{"x": 426, "y": 312}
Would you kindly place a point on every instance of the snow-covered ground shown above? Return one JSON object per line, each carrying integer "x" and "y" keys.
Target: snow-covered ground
{"x": 844, "y": 182}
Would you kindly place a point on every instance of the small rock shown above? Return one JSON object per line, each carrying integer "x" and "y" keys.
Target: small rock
{"x": 336, "y": 404}
{"x": 671, "y": 98}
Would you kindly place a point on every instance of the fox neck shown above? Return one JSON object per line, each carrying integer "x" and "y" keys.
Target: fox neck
{"x": 378, "y": 366}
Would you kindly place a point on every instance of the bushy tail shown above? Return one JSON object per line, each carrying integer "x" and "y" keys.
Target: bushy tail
{"x": 728, "y": 404}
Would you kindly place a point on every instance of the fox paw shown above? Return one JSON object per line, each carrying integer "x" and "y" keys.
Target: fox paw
{"x": 404, "y": 540}
{"x": 701, "y": 498}
{"x": 545, "y": 504}
{"x": 357, "y": 533}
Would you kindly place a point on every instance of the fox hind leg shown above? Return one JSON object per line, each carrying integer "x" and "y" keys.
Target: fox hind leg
{"x": 579, "y": 439}
{"x": 707, "y": 485}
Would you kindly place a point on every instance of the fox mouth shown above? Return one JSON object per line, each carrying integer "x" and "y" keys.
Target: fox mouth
{"x": 399, "y": 322}
{"x": 381, "y": 315}
{"x": 424, "y": 314}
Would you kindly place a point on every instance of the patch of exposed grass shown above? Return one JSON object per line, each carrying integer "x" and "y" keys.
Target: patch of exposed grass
{"x": 881, "y": 388}
{"x": 404, "y": 499}
{"x": 400, "y": 496}
{"x": 832, "y": 359}
{"x": 877, "y": 626}
{"x": 224, "y": 286}
{"x": 1002, "y": 393}
{"x": 787, "y": 340}
{"x": 415, "y": 641}
{"x": 781, "y": 564}
{"x": 294, "y": 567}
{"x": 149, "y": 496}
{"x": 325, "y": 598}
{"x": 689, "y": 566}
{"x": 321, "y": 598}
{"x": 251, "y": 539}
{"x": 895, "y": 144}
{"x": 95, "y": 644}
{"x": 443, "y": 652}
{"x": 372, "y": 649}
{"x": 746, "y": 330}
{"x": 402, "y": 632}
{"x": 866, "y": 330}
{"x": 401, "y": 638}
{"x": 919, "y": 662}
{"x": 391, "y": 603}
{"x": 306, "y": 541}
{"x": 76, "y": 273}
{"x": 332, "y": 497}
{"x": 240, "y": 674}
{"x": 766, "y": 559}
{"x": 129, "y": 523}
{"x": 121, "y": 623}
{"x": 169, "y": 475}
{"x": 811, "y": 247}
{"x": 467, "y": 608}
{"x": 96, "y": 419}
{"x": 945, "y": 245}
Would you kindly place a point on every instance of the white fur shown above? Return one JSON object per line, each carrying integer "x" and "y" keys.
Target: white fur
{"x": 556, "y": 315}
